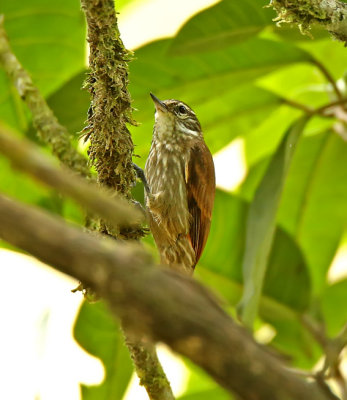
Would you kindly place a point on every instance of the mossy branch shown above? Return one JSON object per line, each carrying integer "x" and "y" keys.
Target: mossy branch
{"x": 111, "y": 146}
{"x": 331, "y": 14}
{"x": 111, "y": 150}
{"x": 49, "y": 129}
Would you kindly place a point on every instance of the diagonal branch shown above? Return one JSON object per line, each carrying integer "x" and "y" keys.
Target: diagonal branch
{"x": 49, "y": 129}
{"x": 156, "y": 302}
{"x": 25, "y": 156}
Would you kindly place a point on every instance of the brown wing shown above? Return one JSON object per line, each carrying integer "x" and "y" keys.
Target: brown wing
{"x": 201, "y": 186}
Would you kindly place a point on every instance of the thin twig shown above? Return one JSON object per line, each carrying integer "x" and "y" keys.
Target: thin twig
{"x": 307, "y": 109}
{"x": 321, "y": 111}
{"x": 49, "y": 129}
{"x": 329, "y": 77}
{"x": 333, "y": 349}
{"x": 315, "y": 328}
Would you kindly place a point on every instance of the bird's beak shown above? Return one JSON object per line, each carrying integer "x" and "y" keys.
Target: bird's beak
{"x": 159, "y": 105}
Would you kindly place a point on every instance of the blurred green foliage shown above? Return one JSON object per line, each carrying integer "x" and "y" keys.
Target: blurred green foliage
{"x": 236, "y": 69}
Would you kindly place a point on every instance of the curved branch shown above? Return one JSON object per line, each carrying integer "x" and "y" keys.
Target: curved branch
{"x": 156, "y": 302}
{"x": 49, "y": 129}
{"x": 331, "y": 14}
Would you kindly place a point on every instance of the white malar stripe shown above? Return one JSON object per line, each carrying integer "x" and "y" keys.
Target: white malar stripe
{"x": 188, "y": 131}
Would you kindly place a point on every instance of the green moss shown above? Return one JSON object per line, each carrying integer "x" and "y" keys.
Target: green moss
{"x": 301, "y": 12}
{"x": 111, "y": 147}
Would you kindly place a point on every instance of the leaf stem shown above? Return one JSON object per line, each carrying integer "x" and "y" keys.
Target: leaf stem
{"x": 315, "y": 111}
{"x": 329, "y": 78}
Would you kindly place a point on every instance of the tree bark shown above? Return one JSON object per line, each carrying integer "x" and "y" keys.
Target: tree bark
{"x": 157, "y": 303}
{"x": 331, "y": 14}
{"x": 111, "y": 151}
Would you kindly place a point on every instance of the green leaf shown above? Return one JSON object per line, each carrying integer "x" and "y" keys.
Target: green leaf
{"x": 300, "y": 82}
{"x": 70, "y": 103}
{"x": 18, "y": 185}
{"x": 329, "y": 53}
{"x": 294, "y": 341}
{"x": 227, "y": 22}
{"x": 156, "y": 69}
{"x": 291, "y": 339}
{"x": 224, "y": 252}
{"x": 48, "y": 38}
{"x": 201, "y": 386}
{"x": 282, "y": 300}
{"x": 261, "y": 222}
{"x": 313, "y": 207}
{"x": 334, "y": 312}
{"x": 99, "y": 334}
{"x": 215, "y": 394}
{"x": 218, "y": 85}
{"x": 263, "y": 140}
{"x": 314, "y": 201}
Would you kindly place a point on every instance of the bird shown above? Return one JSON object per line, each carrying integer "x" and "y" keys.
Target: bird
{"x": 181, "y": 185}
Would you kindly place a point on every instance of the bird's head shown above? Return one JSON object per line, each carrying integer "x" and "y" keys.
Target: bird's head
{"x": 175, "y": 120}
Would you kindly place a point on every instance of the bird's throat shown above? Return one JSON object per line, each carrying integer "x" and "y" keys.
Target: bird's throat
{"x": 164, "y": 125}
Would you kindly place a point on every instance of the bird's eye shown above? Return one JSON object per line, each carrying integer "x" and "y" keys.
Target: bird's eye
{"x": 182, "y": 109}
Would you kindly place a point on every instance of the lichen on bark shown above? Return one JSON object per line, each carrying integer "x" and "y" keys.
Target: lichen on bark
{"x": 331, "y": 14}
{"x": 111, "y": 150}
{"x": 111, "y": 147}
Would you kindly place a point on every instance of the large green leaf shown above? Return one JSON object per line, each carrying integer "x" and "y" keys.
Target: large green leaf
{"x": 217, "y": 84}
{"x": 227, "y": 22}
{"x": 291, "y": 338}
{"x": 300, "y": 82}
{"x": 263, "y": 140}
{"x": 331, "y": 54}
{"x": 313, "y": 208}
{"x": 334, "y": 299}
{"x": 238, "y": 107}
{"x": 98, "y": 333}
{"x": 287, "y": 290}
{"x": 70, "y": 103}
{"x": 156, "y": 69}
{"x": 261, "y": 222}
{"x": 49, "y": 40}
{"x": 224, "y": 252}
{"x": 314, "y": 203}
{"x": 295, "y": 342}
